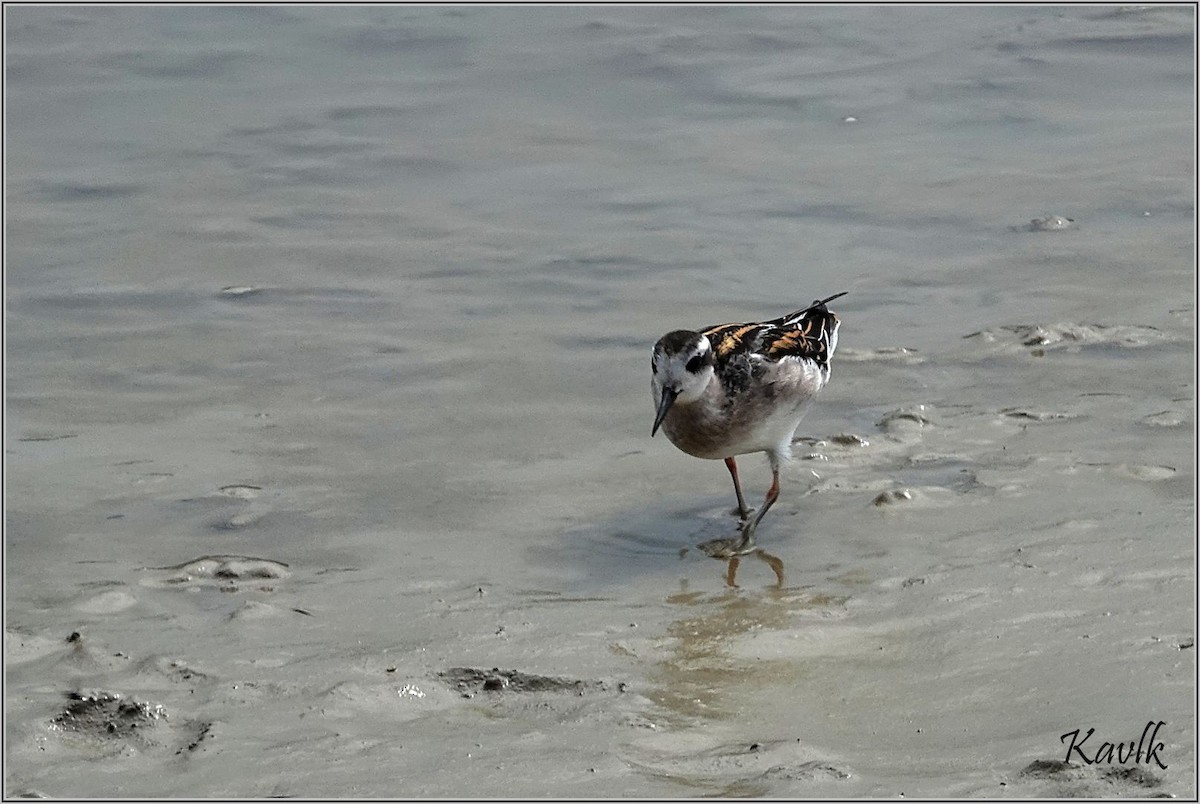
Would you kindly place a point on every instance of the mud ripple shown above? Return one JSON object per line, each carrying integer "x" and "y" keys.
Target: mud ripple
{"x": 1035, "y": 415}
{"x": 1165, "y": 418}
{"x": 110, "y": 602}
{"x": 905, "y": 419}
{"x": 20, "y": 647}
{"x": 893, "y": 354}
{"x": 87, "y": 655}
{"x": 768, "y": 768}
{"x": 1050, "y": 223}
{"x": 219, "y": 570}
{"x": 947, "y": 489}
{"x": 174, "y": 670}
{"x": 233, "y": 291}
{"x": 240, "y": 492}
{"x": 1067, "y": 335}
{"x": 1144, "y": 472}
{"x": 893, "y": 497}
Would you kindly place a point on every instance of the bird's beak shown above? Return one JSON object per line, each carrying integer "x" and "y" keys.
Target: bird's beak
{"x": 668, "y": 399}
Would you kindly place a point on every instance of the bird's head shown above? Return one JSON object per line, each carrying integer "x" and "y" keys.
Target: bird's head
{"x": 682, "y": 367}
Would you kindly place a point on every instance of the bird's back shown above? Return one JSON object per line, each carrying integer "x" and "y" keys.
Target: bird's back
{"x": 809, "y": 334}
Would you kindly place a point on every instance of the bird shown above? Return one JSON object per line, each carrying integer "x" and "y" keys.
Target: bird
{"x": 736, "y": 389}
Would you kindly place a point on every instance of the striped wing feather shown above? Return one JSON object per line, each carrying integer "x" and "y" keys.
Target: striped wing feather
{"x": 804, "y": 333}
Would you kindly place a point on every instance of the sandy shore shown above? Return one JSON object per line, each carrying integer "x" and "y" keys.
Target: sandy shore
{"x": 327, "y": 448}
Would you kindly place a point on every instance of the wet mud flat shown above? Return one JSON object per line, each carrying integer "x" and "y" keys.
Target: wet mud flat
{"x": 162, "y": 721}
{"x": 328, "y": 470}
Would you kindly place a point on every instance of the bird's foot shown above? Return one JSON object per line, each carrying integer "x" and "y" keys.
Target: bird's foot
{"x": 746, "y": 542}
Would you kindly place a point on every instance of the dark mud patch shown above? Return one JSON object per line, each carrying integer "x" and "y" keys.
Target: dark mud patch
{"x": 471, "y": 681}
{"x": 109, "y": 716}
{"x": 47, "y": 437}
{"x": 109, "y": 721}
{"x": 1048, "y": 778}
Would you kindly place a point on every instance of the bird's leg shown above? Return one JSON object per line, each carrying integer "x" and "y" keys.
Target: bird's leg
{"x": 749, "y": 528}
{"x": 743, "y": 511}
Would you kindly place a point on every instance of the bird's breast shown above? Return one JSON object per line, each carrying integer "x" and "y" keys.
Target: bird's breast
{"x": 697, "y": 433}
{"x": 734, "y": 418}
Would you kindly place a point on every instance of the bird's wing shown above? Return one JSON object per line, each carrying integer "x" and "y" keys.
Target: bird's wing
{"x": 730, "y": 340}
{"x": 805, "y": 333}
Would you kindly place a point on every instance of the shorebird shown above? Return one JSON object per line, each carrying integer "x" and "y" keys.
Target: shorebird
{"x": 734, "y": 389}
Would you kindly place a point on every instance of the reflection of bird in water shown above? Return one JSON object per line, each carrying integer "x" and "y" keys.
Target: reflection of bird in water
{"x": 733, "y": 389}
{"x": 731, "y": 550}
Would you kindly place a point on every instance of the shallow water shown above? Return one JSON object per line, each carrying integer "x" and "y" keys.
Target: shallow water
{"x": 366, "y": 295}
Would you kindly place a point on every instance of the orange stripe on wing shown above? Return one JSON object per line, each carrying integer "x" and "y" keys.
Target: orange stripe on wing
{"x": 799, "y": 342}
{"x": 729, "y": 338}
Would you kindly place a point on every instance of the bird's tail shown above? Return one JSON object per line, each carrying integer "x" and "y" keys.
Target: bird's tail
{"x": 819, "y": 323}
{"x": 818, "y": 305}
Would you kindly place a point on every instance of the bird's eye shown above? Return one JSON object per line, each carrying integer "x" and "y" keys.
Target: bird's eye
{"x": 695, "y": 364}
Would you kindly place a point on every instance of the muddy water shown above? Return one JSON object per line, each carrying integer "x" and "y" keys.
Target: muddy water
{"x": 327, "y": 375}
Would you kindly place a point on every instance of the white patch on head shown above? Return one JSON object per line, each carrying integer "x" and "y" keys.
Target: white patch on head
{"x": 671, "y": 371}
